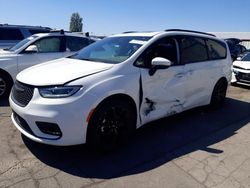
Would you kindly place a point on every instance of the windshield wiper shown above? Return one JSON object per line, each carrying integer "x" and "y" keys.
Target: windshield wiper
{"x": 74, "y": 57}
{"x": 86, "y": 59}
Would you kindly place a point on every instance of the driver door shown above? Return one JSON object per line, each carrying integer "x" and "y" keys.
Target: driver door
{"x": 163, "y": 93}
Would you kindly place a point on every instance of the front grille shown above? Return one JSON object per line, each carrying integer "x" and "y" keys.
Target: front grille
{"x": 22, "y": 123}
{"x": 243, "y": 77}
{"x": 22, "y": 93}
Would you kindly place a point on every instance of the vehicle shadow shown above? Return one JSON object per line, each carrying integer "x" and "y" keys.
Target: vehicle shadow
{"x": 240, "y": 86}
{"x": 154, "y": 145}
{"x": 4, "y": 102}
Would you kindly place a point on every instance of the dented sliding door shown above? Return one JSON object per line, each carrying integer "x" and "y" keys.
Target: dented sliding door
{"x": 163, "y": 93}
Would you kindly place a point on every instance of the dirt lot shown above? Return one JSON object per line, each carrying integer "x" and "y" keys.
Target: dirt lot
{"x": 198, "y": 148}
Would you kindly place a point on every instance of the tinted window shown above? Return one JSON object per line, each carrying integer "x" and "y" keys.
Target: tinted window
{"x": 165, "y": 48}
{"x": 216, "y": 49}
{"x": 34, "y": 31}
{"x": 193, "y": 50}
{"x": 76, "y": 43}
{"x": 246, "y": 57}
{"x": 48, "y": 45}
{"x": 10, "y": 34}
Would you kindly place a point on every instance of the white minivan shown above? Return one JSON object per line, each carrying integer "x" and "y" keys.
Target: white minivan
{"x": 100, "y": 95}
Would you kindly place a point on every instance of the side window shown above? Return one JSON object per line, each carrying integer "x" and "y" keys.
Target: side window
{"x": 216, "y": 50}
{"x": 193, "y": 50}
{"x": 48, "y": 45}
{"x": 76, "y": 43}
{"x": 165, "y": 48}
{"x": 10, "y": 34}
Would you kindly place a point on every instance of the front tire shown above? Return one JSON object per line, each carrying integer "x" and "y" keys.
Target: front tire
{"x": 5, "y": 85}
{"x": 112, "y": 124}
{"x": 219, "y": 94}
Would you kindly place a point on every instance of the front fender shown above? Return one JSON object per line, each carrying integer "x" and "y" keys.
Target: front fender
{"x": 96, "y": 90}
{"x": 9, "y": 65}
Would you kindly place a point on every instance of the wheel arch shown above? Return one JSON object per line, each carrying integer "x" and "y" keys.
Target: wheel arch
{"x": 8, "y": 75}
{"x": 8, "y": 83}
{"x": 221, "y": 79}
{"x": 122, "y": 97}
{"x": 118, "y": 96}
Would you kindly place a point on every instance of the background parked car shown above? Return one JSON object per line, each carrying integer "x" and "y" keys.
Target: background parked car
{"x": 236, "y": 49}
{"x": 37, "y": 49}
{"x": 241, "y": 70}
{"x": 12, "y": 34}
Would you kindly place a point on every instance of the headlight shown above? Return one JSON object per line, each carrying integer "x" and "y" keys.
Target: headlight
{"x": 58, "y": 91}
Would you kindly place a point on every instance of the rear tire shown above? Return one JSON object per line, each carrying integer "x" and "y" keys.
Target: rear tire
{"x": 219, "y": 94}
{"x": 112, "y": 124}
{"x": 5, "y": 85}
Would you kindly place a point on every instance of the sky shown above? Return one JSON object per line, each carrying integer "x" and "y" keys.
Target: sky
{"x": 106, "y": 17}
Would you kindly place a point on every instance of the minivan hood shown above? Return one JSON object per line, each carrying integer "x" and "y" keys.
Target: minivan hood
{"x": 60, "y": 71}
{"x": 242, "y": 64}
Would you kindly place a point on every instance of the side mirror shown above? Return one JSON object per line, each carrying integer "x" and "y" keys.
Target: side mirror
{"x": 31, "y": 49}
{"x": 238, "y": 58}
{"x": 159, "y": 63}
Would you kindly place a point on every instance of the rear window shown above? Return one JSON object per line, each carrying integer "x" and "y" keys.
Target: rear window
{"x": 10, "y": 34}
{"x": 76, "y": 43}
{"x": 216, "y": 49}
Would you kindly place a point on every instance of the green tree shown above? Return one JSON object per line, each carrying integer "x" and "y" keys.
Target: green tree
{"x": 75, "y": 23}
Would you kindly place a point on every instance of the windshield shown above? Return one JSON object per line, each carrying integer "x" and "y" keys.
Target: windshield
{"x": 111, "y": 50}
{"x": 21, "y": 43}
{"x": 246, "y": 57}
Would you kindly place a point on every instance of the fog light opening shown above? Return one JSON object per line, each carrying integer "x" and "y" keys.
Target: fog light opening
{"x": 49, "y": 128}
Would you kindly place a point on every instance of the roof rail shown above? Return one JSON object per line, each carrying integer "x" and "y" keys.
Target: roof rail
{"x": 183, "y": 30}
{"x": 130, "y": 32}
{"x": 28, "y": 26}
{"x": 61, "y": 31}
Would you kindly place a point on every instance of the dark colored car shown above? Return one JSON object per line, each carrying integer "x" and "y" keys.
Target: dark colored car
{"x": 12, "y": 34}
{"x": 236, "y": 49}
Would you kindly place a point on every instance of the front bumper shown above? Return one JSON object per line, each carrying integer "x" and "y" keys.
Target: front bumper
{"x": 68, "y": 113}
{"x": 241, "y": 76}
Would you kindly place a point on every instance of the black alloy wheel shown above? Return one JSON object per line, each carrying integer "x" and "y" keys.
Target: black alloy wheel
{"x": 112, "y": 124}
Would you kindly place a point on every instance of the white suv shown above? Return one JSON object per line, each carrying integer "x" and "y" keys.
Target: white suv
{"x": 36, "y": 49}
{"x": 110, "y": 88}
